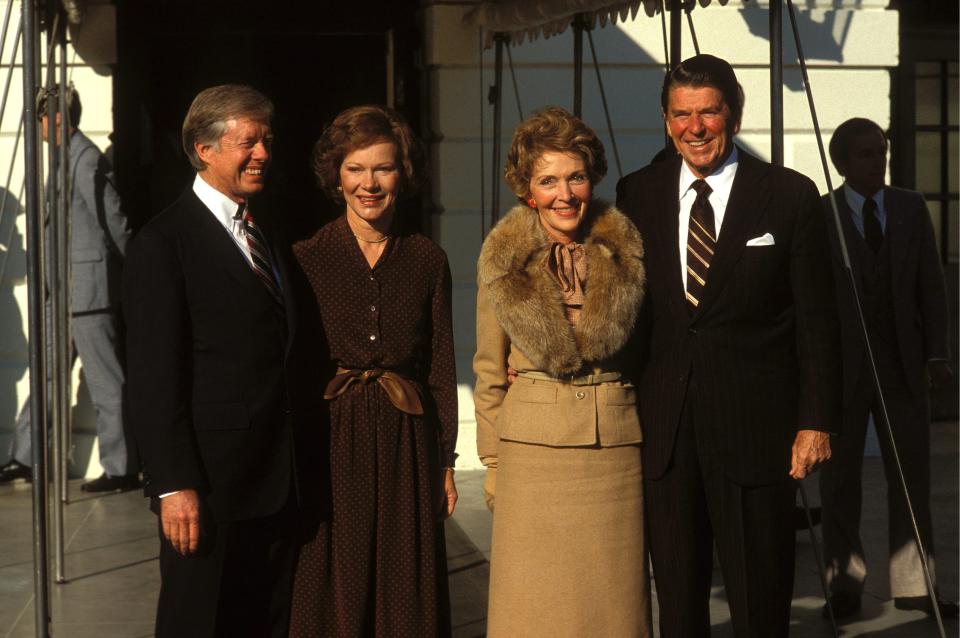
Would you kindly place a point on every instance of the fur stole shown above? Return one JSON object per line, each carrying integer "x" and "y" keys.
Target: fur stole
{"x": 527, "y": 301}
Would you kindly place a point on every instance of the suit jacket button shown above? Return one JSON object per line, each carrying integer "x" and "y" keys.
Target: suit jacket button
{"x": 692, "y": 331}
{"x": 581, "y": 394}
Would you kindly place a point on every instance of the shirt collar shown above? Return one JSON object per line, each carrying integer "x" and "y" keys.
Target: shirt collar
{"x": 720, "y": 180}
{"x": 855, "y": 200}
{"x": 222, "y": 207}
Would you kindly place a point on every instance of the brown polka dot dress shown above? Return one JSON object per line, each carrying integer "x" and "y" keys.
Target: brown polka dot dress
{"x": 377, "y": 566}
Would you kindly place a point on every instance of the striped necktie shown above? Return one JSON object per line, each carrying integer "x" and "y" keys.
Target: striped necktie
{"x": 260, "y": 256}
{"x": 701, "y": 243}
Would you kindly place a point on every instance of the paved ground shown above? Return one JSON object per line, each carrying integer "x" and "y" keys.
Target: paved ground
{"x": 113, "y": 577}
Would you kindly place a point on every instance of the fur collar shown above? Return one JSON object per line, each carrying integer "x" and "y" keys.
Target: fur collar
{"x": 527, "y": 301}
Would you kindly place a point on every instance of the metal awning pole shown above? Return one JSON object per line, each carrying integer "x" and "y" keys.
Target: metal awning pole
{"x": 676, "y": 17}
{"x": 776, "y": 82}
{"x": 579, "y": 23}
{"x": 66, "y": 341}
{"x": 35, "y": 322}
{"x": 496, "y": 92}
{"x": 53, "y": 259}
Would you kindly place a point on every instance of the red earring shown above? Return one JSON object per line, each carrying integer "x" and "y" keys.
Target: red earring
{"x": 532, "y": 203}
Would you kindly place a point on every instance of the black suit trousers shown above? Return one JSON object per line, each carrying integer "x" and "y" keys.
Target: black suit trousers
{"x": 239, "y": 583}
{"x": 694, "y": 505}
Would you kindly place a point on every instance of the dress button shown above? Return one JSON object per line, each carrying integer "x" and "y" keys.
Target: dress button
{"x": 581, "y": 394}
{"x": 373, "y": 337}
{"x": 373, "y": 308}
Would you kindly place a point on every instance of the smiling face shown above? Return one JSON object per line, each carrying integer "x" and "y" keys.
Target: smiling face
{"x": 370, "y": 182}
{"x": 699, "y": 123}
{"x": 561, "y": 189}
{"x": 865, "y": 166}
{"x": 238, "y": 165}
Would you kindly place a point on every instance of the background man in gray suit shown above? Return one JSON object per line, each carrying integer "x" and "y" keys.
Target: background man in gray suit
{"x": 98, "y": 239}
{"x": 900, "y": 283}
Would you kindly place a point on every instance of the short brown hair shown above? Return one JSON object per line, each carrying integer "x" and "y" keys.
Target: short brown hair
{"x": 551, "y": 129}
{"x": 843, "y": 137}
{"x": 207, "y": 118}
{"x": 362, "y": 126}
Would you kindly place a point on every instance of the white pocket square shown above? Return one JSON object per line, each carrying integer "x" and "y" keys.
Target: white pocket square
{"x": 764, "y": 240}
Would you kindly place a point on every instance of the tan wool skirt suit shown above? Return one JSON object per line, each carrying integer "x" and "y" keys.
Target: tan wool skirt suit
{"x": 562, "y": 442}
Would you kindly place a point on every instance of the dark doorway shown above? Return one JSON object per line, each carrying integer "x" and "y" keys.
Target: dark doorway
{"x": 312, "y": 59}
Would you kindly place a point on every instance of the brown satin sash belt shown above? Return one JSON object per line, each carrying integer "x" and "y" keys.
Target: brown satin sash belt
{"x": 401, "y": 391}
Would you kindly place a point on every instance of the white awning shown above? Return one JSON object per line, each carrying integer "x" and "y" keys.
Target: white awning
{"x": 533, "y": 18}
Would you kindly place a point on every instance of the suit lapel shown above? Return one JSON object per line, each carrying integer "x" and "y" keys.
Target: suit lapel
{"x": 896, "y": 232}
{"x": 667, "y": 223}
{"x": 744, "y": 208}
{"x": 222, "y": 250}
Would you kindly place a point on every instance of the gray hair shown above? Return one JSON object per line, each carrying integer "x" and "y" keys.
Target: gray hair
{"x": 207, "y": 118}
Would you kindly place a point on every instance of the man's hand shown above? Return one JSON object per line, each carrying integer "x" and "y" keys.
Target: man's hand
{"x": 810, "y": 448}
{"x": 180, "y": 518}
{"x": 940, "y": 374}
{"x": 511, "y": 376}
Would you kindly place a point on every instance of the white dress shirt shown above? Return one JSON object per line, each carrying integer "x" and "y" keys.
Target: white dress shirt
{"x": 720, "y": 181}
{"x": 855, "y": 201}
{"x": 224, "y": 210}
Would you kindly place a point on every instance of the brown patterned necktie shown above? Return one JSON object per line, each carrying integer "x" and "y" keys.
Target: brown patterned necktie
{"x": 701, "y": 243}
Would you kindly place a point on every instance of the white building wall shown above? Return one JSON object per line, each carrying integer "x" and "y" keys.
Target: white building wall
{"x": 96, "y": 94}
{"x": 850, "y": 47}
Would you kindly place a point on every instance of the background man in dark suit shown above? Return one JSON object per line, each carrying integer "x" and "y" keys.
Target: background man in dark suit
{"x": 900, "y": 283}
{"x": 210, "y": 318}
{"x": 739, "y": 388}
{"x": 99, "y": 233}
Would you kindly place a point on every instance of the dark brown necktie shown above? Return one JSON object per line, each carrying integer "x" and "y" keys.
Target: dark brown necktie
{"x": 872, "y": 232}
{"x": 701, "y": 242}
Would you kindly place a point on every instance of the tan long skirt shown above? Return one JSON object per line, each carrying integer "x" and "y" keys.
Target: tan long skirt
{"x": 569, "y": 554}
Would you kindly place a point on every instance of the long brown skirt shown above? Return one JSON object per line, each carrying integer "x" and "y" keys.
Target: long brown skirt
{"x": 568, "y": 555}
{"x": 377, "y": 567}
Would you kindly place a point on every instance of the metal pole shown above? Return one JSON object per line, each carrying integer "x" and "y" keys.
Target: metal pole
{"x": 818, "y": 556}
{"x": 496, "y": 95}
{"x": 693, "y": 32}
{"x": 513, "y": 78}
{"x": 13, "y": 60}
{"x": 52, "y": 261}
{"x": 35, "y": 280}
{"x": 603, "y": 100}
{"x": 483, "y": 154}
{"x": 863, "y": 326}
{"x": 66, "y": 341}
{"x": 676, "y": 17}
{"x": 579, "y": 22}
{"x": 776, "y": 82}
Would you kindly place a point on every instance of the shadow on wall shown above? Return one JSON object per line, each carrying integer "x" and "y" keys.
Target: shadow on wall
{"x": 13, "y": 342}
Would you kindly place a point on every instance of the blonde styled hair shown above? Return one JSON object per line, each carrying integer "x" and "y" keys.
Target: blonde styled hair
{"x": 551, "y": 129}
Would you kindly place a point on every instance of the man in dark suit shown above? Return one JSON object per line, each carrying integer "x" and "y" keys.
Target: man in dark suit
{"x": 211, "y": 319}
{"x": 896, "y": 267}
{"x": 99, "y": 233}
{"x": 739, "y": 383}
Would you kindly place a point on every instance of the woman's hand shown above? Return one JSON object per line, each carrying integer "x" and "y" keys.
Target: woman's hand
{"x": 449, "y": 502}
